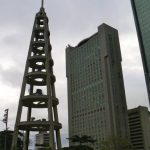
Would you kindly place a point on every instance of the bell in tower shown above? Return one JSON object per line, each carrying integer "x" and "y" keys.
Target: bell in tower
{"x": 39, "y": 75}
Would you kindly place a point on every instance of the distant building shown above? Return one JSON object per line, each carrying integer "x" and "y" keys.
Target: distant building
{"x": 7, "y": 135}
{"x": 42, "y": 141}
{"x": 139, "y": 123}
{"x": 141, "y": 11}
{"x": 96, "y": 97}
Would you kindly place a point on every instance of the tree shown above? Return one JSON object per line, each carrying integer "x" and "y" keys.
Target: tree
{"x": 82, "y": 139}
{"x": 116, "y": 143}
{"x": 87, "y": 139}
{"x": 79, "y": 147}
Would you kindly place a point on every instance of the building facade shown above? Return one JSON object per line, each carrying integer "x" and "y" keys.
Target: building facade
{"x": 96, "y": 97}
{"x": 141, "y": 11}
{"x": 139, "y": 124}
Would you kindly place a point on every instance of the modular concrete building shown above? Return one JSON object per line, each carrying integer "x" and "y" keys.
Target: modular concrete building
{"x": 141, "y": 11}
{"x": 139, "y": 123}
{"x": 42, "y": 140}
{"x": 96, "y": 96}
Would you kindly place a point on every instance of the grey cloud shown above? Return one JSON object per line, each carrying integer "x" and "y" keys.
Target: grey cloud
{"x": 11, "y": 77}
{"x": 64, "y": 140}
{"x": 70, "y": 21}
{"x": 135, "y": 87}
{"x": 70, "y": 16}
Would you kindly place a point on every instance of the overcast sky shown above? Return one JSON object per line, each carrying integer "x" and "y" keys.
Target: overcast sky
{"x": 70, "y": 21}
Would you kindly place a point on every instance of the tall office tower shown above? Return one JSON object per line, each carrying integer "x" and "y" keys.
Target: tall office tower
{"x": 139, "y": 124}
{"x": 141, "y": 11}
{"x": 96, "y": 96}
{"x": 38, "y": 88}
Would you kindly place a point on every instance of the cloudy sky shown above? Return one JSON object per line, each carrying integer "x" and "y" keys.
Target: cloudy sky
{"x": 70, "y": 22}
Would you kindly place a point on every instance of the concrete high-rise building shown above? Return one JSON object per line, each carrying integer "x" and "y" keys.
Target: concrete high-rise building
{"x": 6, "y": 140}
{"x": 139, "y": 124}
{"x": 141, "y": 11}
{"x": 96, "y": 96}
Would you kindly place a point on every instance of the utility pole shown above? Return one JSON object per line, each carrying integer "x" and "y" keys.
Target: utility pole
{"x": 5, "y": 120}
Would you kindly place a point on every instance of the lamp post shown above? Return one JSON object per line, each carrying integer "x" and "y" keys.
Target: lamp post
{"x": 5, "y": 120}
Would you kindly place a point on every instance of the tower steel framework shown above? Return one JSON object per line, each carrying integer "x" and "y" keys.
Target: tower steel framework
{"x": 38, "y": 74}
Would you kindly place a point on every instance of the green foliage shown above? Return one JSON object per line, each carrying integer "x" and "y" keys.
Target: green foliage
{"x": 79, "y": 147}
{"x": 116, "y": 143}
{"x": 82, "y": 139}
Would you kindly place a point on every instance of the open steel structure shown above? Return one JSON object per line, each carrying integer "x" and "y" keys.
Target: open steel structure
{"x": 39, "y": 73}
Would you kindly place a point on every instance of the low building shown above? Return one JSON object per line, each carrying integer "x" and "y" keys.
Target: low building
{"x": 6, "y": 140}
{"x": 42, "y": 141}
{"x": 139, "y": 124}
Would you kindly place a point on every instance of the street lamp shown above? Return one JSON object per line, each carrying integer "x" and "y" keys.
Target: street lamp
{"x": 5, "y": 120}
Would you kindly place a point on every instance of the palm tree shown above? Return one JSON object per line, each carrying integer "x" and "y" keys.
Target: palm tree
{"x": 87, "y": 139}
{"x": 75, "y": 139}
{"x": 82, "y": 139}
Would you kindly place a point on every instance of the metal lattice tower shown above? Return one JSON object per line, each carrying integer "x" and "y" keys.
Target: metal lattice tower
{"x": 39, "y": 73}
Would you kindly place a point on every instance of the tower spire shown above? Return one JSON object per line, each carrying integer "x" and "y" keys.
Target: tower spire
{"x": 38, "y": 88}
{"x": 42, "y": 3}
